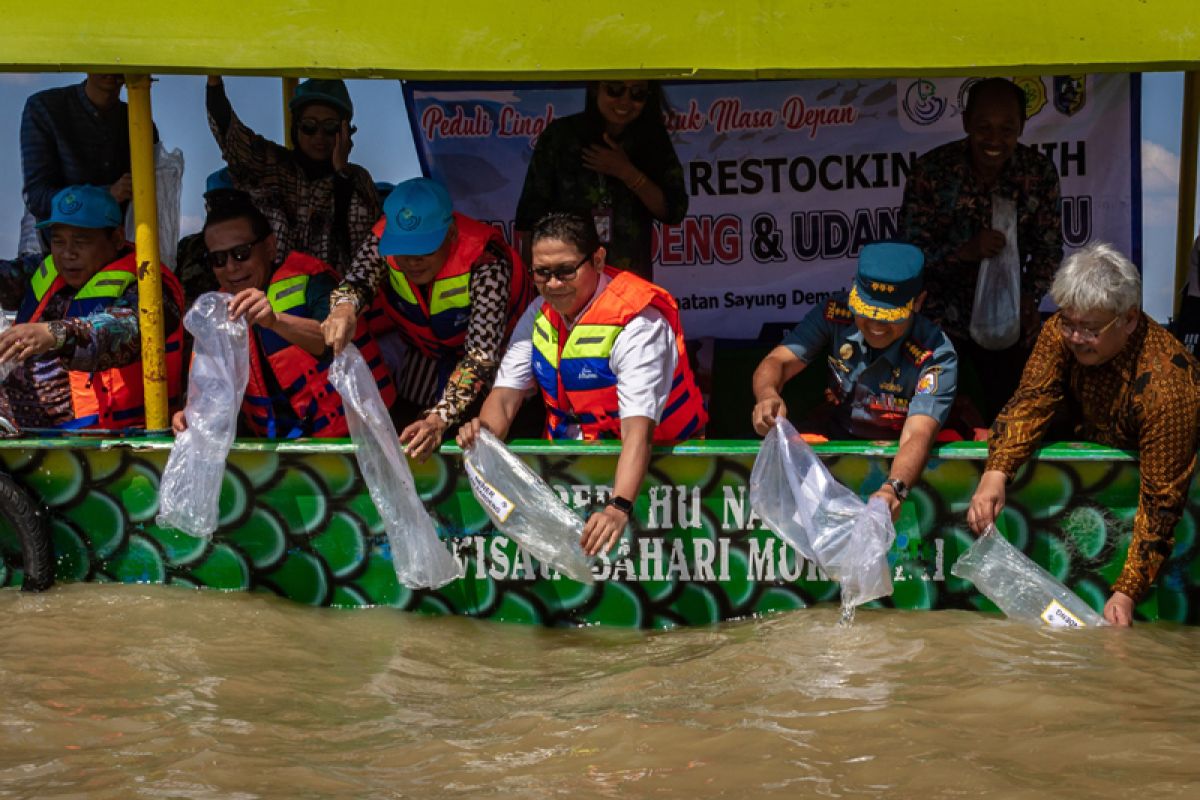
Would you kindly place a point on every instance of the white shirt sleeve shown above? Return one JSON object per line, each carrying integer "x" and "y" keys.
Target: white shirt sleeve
{"x": 516, "y": 368}
{"x": 643, "y": 359}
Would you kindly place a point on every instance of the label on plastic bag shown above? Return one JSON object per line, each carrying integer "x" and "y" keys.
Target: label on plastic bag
{"x": 489, "y": 495}
{"x": 1056, "y": 616}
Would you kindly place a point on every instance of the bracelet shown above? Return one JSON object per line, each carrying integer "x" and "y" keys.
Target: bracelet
{"x": 638, "y": 182}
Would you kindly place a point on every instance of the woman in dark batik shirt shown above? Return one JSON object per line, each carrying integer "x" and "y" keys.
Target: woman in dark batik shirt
{"x": 613, "y": 162}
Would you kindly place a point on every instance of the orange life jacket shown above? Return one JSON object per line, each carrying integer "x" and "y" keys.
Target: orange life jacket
{"x": 438, "y": 326}
{"x": 577, "y": 382}
{"x": 309, "y": 404}
{"x": 111, "y": 398}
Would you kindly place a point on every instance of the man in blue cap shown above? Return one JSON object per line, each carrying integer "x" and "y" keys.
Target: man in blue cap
{"x": 191, "y": 255}
{"x": 453, "y": 289}
{"x": 316, "y": 200}
{"x": 76, "y": 345}
{"x": 892, "y": 372}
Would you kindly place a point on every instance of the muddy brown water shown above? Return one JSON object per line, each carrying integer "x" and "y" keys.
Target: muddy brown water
{"x": 161, "y": 692}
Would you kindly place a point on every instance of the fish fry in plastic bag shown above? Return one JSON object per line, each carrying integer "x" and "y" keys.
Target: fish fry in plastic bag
{"x": 524, "y": 507}
{"x": 419, "y": 557}
{"x": 825, "y": 522}
{"x": 191, "y": 482}
{"x": 1019, "y": 587}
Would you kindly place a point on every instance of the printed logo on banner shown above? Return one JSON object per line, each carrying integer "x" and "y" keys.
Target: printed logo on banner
{"x": 922, "y": 104}
{"x": 1035, "y": 95}
{"x": 1070, "y": 93}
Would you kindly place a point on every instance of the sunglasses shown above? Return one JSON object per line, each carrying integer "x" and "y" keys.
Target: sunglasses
{"x": 564, "y": 274}
{"x": 617, "y": 90}
{"x": 330, "y": 127}
{"x": 217, "y": 259}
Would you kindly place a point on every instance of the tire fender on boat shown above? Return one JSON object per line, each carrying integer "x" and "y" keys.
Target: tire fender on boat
{"x": 26, "y": 519}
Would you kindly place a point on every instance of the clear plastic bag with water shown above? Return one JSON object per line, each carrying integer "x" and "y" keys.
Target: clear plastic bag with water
{"x": 996, "y": 313}
{"x": 420, "y": 559}
{"x": 825, "y": 522}
{"x": 524, "y": 507}
{"x": 191, "y": 481}
{"x": 6, "y": 367}
{"x": 1019, "y": 587}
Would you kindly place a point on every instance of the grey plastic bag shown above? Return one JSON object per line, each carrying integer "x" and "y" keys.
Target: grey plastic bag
{"x": 525, "y": 508}
{"x": 419, "y": 557}
{"x": 191, "y": 482}
{"x": 996, "y": 313}
{"x": 825, "y": 522}
{"x": 1021, "y": 588}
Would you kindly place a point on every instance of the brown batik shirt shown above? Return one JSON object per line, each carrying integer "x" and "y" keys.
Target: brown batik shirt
{"x": 1145, "y": 398}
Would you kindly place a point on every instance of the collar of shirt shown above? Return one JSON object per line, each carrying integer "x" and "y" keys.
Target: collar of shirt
{"x": 600, "y": 286}
{"x": 891, "y": 353}
{"x": 85, "y": 101}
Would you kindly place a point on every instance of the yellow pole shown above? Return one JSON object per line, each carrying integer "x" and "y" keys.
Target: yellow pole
{"x": 1185, "y": 230}
{"x": 289, "y": 88}
{"x": 145, "y": 209}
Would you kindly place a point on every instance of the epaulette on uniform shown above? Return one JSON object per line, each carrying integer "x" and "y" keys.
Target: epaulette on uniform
{"x": 917, "y": 352}
{"x": 838, "y": 312}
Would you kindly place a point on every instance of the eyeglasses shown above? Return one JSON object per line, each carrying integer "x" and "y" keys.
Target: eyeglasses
{"x": 217, "y": 259}
{"x": 564, "y": 274}
{"x": 1085, "y": 334}
{"x": 330, "y": 127}
{"x": 617, "y": 90}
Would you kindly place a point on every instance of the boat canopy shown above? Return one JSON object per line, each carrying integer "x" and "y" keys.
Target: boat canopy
{"x": 574, "y": 39}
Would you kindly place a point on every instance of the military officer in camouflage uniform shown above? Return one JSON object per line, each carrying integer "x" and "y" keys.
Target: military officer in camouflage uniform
{"x": 892, "y": 372}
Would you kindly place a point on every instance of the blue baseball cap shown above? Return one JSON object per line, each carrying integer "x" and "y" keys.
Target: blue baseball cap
{"x": 84, "y": 207}
{"x": 888, "y": 281}
{"x": 418, "y": 213}
{"x": 221, "y": 179}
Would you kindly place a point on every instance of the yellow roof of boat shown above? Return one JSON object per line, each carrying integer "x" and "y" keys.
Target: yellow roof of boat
{"x": 574, "y": 39}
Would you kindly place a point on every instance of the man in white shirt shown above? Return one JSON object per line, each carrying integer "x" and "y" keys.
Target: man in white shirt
{"x": 605, "y": 348}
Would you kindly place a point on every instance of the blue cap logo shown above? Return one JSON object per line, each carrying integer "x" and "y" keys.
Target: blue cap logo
{"x": 406, "y": 220}
{"x": 70, "y": 203}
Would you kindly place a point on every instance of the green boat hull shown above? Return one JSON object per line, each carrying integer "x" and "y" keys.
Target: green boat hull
{"x": 297, "y": 521}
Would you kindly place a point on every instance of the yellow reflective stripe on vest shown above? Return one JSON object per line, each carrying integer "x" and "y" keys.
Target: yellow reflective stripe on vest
{"x": 288, "y": 293}
{"x": 106, "y": 284}
{"x": 545, "y": 339}
{"x": 401, "y": 286}
{"x": 43, "y": 278}
{"x": 591, "y": 341}
{"x": 450, "y": 293}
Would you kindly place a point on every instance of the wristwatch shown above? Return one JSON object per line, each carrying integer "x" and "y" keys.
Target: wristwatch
{"x": 898, "y": 486}
{"x": 621, "y": 504}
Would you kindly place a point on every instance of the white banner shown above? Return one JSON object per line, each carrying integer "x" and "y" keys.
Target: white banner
{"x": 788, "y": 179}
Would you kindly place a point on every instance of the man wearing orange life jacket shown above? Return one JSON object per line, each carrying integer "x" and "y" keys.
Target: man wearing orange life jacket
{"x": 606, "y": 349}
{"x": 452, "y": 288}
{"x": 77, "y": 339}
{"x": 288, "y": 394}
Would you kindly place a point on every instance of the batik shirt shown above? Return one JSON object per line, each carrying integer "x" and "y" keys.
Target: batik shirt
{"x": 1144, "y": 398}
{"x": 945, "y": 205}
{"x": 422, "y": 380}
{"x": 303, "y": 208}
{"x": 39, "y": 389}
{"x": 557, "y": 180}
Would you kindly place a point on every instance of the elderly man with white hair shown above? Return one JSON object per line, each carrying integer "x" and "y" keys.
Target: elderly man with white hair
{"x": 1123, "y": 381}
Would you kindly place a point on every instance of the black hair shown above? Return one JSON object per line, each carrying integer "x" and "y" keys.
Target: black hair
{"x": 999, "y": 85}
{"x": 649, "y": 121}
{"x": 573, "y": 229}
{"x": 234, "y": 204}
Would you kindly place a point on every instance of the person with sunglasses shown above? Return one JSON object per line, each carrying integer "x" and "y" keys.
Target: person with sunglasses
{"x": 613, "y": 163}
{"x": 452, "y": 290}
{"x": 77, "y": 346}
{"x": 605, "y": 347}
{"x": 316, "y": 200}
{"x": 1120, "y": 379}
{"x": 282, "y": 300}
